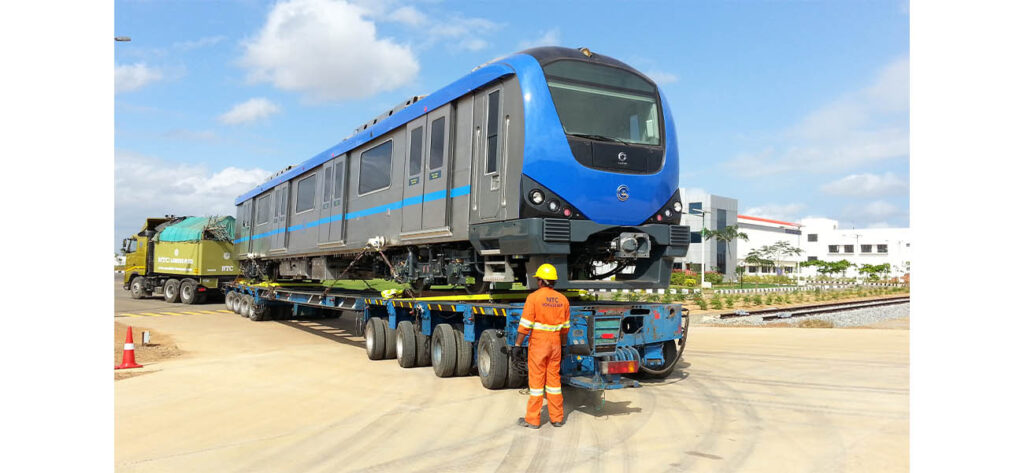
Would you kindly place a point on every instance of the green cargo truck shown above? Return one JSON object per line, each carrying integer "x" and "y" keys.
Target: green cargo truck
{"x": 181, "y": 258}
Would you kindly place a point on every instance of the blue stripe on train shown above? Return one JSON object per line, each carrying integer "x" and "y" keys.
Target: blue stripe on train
{"x": 438, "y": 195}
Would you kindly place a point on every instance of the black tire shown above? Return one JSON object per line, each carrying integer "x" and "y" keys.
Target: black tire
{"x": 463, "y": 354}
{"x": 375, "y": 343}
{"x": 422, "y": 348}
{"x": 419, "y": 285}
{"x": 443, "y": 351}
{"x": 478, "y": 286}
{"x": 405, "y": 348}
{"x": 390, "y": 340}
{"x": 259, "y": 312}
{"x": 187, "y": 291}
{"x": 672, "y": 351}
{"x": 491, "y": 360}
{"x": 202, "y": 296}
{"x": 236, "y": 304}
{"x": 247, "y": 303}
{"x": 229, "y": 299}
{"x": 515, "y": 379}
{"x": 171, "y": 290}
{"x": 137, "y": 286}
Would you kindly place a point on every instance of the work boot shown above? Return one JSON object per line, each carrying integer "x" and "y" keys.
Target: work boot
{"x": 524, "y": 423}
{"x": 558, "y": 424}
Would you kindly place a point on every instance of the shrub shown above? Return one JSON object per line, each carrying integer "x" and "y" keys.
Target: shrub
{"x": 730, "y": 300}
{"x": 713, "y": 277}
{"x": 632, "y": 296}
{"x": 667, "y": 298}
{"x": 757, "y": 300}
{"x": 716, "y": 302}
{"x": 702, "y": 303}
{"x": 746, "y": 299}
{"x": 617, "y": 296}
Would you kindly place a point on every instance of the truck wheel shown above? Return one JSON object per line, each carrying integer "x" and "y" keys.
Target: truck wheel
{"x": 138, "y": 288}
{"x": 443, "y": 351}
{"x": 491, "y": 360}
{"x": 405, "y": 346}
{"x": 229, "y": 299}
{"x": 464, "y": 354}
{"x": 187, "y": 289}
{"x": 171, "y": 290}
{"x": 259, "y": 312}
{"x": 243, "y": 305}
{"x": 422, "y": 348}
{"x": 375, "y": 343}
{"x": 236, "y": 303}
{"x": 390, "y": 340}
{"x": 516, "y": 378}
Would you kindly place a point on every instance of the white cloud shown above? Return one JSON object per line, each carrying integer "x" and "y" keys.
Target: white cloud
{"x": 866, "y": 185}
{"x": 408, "y": 15}
{"x": 460, "y": 33}
{"x": 875, "y": 211}
{"x": 326, "y": 50}
{"x": 552, "y": 37}
{"x": 787, "y": 212}
{"x": 145, "y": 186}
{"x": 865, "y": 126}
{"x": 129, "y": 77}
{"x": 249, "y": 111}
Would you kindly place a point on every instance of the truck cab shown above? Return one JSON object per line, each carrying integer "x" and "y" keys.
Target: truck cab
{"x": 136, "y": 250}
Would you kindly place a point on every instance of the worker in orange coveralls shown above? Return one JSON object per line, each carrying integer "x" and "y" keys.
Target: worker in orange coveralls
{"x": 546, "y": 320}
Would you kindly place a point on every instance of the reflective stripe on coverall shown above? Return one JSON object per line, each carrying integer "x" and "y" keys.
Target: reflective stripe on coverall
{"x": 545, "y": 318}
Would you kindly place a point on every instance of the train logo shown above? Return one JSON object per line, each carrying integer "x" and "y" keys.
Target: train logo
{"x": 623, "y": 158}
{"x": 622, "y": 193}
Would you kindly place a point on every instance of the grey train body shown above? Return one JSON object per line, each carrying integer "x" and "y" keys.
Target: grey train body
{"x": 457, "y": 215}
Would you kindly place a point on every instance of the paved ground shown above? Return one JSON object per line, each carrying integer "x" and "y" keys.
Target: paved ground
{"x": 302, "y": 396}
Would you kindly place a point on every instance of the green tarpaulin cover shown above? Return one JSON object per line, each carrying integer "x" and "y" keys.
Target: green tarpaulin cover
{"x": 199, "y": 228}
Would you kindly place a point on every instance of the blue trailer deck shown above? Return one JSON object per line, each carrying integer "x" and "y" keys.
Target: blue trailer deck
{"x": 459, "y": 334}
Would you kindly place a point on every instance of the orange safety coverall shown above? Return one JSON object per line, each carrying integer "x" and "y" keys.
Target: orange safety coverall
{"x": 545, "y": 318}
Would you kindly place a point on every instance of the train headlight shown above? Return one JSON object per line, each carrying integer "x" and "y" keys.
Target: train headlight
{"x": 537, "y": 197}
{"x": 668, "y": 213}
{"x": 553, "y": 206}
{"x": 677, "y": 206}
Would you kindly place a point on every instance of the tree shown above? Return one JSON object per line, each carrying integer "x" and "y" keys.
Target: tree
{"x": 779, "y": 250}
{"x": 727, "y": 235}
{"x": 873, "y": 270}
{"x": 753, "y": 258}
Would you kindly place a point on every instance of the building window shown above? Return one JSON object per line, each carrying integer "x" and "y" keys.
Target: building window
{"x": 788, "y": 269}
{"x": 766, "y": 269}
{"x": 812, "y": 258}
{"x": 375, "y": 168}
{"x": 812, "y": 237}
{"x": 833, "y": 248}
{"x": 848, "y": 248}
{"x": 752, "y": 269}
{"x": 865, "y": 248}
{"x": 883, "y": 248}
{"x": 306, "y": 194}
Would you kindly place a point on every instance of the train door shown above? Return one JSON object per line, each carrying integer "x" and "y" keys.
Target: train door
{"x": 436, "y": 186}
{"x": 244, "y": 228}
{"x": 488, "y": 150}
{"x": 412, "y": 210}
{"x": 332, "y": 209}
{"x": 279, "y": 240}
{"x": 262, "y": 224}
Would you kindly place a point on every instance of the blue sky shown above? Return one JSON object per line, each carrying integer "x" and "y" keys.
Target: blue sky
{"x": 797, "y": 109}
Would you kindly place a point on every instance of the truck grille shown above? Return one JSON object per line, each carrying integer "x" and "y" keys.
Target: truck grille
{"x": 679, "y": 235}
{"x": 556, "y": 229}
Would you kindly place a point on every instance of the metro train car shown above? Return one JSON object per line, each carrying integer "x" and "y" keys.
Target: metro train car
{"x": 551, "y": 155}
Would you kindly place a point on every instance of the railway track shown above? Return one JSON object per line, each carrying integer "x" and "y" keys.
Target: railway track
{"x": 775, "y": 313}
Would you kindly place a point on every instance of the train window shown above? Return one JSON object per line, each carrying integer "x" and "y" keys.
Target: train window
{"x": 328, "y": 179}
{"x": 493, "y": 103}
{"x": 415, "y": 151}
{"x": 339, "y": 176}
{"x": 436, "y": 143}
{"x": 306, "y": 194}
{"x": 375, "y": 168}
{"x": 282, "y": 207}
{"x": 263, "y": 209}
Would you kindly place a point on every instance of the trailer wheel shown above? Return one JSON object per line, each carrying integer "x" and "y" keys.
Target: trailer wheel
{"x": 516, "y": 378}
{"x": 171, "y": 290}
{"x": 443, "y": 354}
{"x": 236, "y": 303}
{"x": 422, "y": 348}
{"x": 138, "y": 287}
{"x": 405, "y": 347}
{"x": 229, "y": 299}
{"x": 259, "y": 312}
{"x": 390, "y": 340}
{"x": 187, "y": 289}
{"x": 244, "y": 304}
{"x": 374, "y": 339}
{"x": 491, "y": 360}
{"x": 464, "y": 354}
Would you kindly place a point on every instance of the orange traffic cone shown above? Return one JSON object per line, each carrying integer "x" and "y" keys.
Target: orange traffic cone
{"x": 128, "y": 358}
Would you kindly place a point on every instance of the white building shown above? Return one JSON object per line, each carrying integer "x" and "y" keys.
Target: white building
{"x": 712, "y": 212}
{"x": 822, "y": 239}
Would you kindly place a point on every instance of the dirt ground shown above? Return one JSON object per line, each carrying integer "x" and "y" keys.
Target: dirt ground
{"x": 301, "y": 396}
{"x": 160, "y": 347}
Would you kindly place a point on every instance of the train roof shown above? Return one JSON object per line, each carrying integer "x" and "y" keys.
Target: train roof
{"x": 480, "y": 76}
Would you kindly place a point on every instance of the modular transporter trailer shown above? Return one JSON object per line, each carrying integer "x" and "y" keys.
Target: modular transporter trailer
{"x": 458, "y": 333}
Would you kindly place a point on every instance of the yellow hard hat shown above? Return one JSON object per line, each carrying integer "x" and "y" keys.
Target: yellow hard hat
{"x": 546, "y": 271}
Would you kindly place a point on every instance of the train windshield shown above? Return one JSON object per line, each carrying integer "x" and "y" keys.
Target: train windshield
{"x": 604, "y": 103}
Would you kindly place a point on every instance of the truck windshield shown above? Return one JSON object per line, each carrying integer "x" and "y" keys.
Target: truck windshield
{"x": 604, "y": 103}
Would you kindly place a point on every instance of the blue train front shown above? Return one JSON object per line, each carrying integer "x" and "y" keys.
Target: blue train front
{"x": 552, "y": 155}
